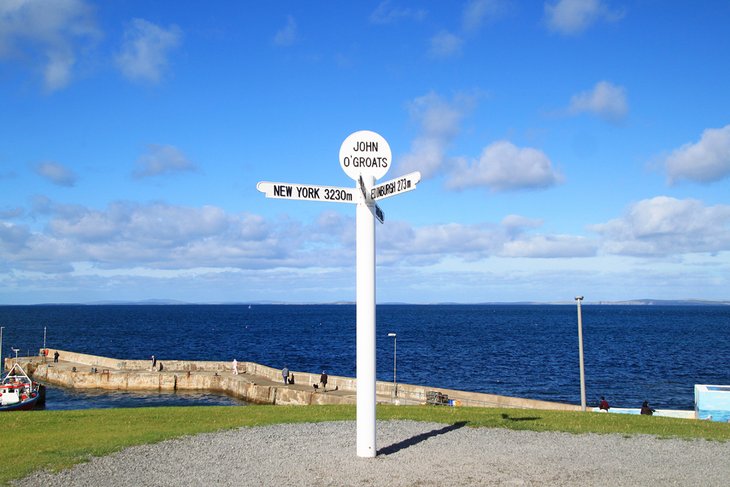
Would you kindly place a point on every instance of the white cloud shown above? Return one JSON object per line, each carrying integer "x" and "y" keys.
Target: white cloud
{"x": 705, "y": 161}
{"x": 438, "y": 122}
{"x": 516, "y": 223}
{"x": 145, "y": 50}
{"x": 605, "y": 100}
{"x": 58, "y": 29}
{"x": 13, "y": 238}
{"x": 427, "y": 155}
{"x": 504, "y": 166}
{"x": 663, "y": 226}
{"x": 387, "y": 13}
{"x": 512, "y": 238}
{"x": 132, "y": 238}
{"x": 476, "y": 12}
{"x": 13, "y": 212}
{"x": 430, "y": 244}
{"x": 445, "y": 45}
{"x": 287, "y": 35}
{"x": 550, "y": 246}
{"x": 575, "y": 16}
{"x": 56, "y": 173}
{"x": 204, "y": 253}
{"x": 156, "y": 224}
{"x": 520, "y": 221}
{"x": 127, "y": 236}
{"x": 162, "y": 159}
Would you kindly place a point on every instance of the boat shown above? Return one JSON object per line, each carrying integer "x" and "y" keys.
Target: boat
{"x": 18, "y": 392}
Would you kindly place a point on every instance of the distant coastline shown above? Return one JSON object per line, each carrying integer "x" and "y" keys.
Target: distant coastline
{"x": 172, "y": 302}
{"x": 666, "y": 302}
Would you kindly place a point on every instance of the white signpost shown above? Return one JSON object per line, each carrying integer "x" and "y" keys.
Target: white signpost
{"x": 365, "y": 157}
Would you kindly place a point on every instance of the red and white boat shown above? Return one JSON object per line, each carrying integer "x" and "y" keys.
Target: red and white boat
{"x": 18, "y": 392}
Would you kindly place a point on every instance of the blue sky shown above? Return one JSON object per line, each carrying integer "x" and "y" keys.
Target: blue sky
{"x": 566, "y": 147}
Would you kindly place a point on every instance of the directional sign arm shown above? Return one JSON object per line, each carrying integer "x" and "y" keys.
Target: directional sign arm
{"x": 293, "y": 191}
{"x": 379, "y": 213}
{"x": 407, "y": 182}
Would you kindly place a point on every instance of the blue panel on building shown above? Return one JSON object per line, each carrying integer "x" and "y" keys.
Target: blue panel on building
{"x": 712, "y": 402}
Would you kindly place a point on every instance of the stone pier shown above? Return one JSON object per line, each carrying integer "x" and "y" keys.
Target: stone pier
{"x": 254, "y": 383}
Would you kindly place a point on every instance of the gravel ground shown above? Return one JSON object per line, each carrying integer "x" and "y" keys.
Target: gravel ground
{"x": 410, "y": 454}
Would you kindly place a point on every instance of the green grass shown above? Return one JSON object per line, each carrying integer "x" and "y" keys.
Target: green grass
{"x": 56, "y": 440}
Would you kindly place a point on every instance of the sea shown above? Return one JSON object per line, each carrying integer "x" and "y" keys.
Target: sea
{"x": 632, "y": 353}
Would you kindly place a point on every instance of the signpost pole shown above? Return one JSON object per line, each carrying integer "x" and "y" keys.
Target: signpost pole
{"x": 365, "y": 233}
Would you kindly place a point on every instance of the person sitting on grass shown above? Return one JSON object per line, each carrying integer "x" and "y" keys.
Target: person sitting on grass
{"x": 645, "y": 409}
{"x": 603, "y": 405}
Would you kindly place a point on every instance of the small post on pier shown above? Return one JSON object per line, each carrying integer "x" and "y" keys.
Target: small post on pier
{"x": 578, "y": 300}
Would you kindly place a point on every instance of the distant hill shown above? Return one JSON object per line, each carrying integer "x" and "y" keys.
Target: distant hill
{"x": 631, "y": 302}
{"x": 143, "y": 302}
{"x": 667, "y": 302}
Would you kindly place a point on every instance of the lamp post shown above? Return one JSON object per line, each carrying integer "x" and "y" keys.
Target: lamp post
{"x": 43, "y": 351}
{"x": 395, "y": 384}
{"x": 2, "y": 364}
{"x": 578, "y": 300}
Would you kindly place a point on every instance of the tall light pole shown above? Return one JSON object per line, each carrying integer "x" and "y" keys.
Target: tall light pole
{"x": 44, "y": 351}
{"x": 395, "y": 384}
{"x": 578, "y": 300}
{"x": 2, "y": 364}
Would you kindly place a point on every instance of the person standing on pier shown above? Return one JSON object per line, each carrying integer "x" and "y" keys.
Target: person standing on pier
{"x": 285, "y": 374}
{"x": 234, "y": 367}
{"x": 55, "y": 356}
{"x": 323, "y": 380}
{"x": 154, "y": 362}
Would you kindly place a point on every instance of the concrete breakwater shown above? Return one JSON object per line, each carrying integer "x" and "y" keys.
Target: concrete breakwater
{"x": 254, "y": 382}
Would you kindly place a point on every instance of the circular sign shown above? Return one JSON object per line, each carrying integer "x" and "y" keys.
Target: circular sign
{"x": 365, "y": 153}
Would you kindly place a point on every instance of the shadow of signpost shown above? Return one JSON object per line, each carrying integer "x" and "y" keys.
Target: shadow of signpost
{"x": 395, "y": 447}
{"x": 520, "y": 418}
